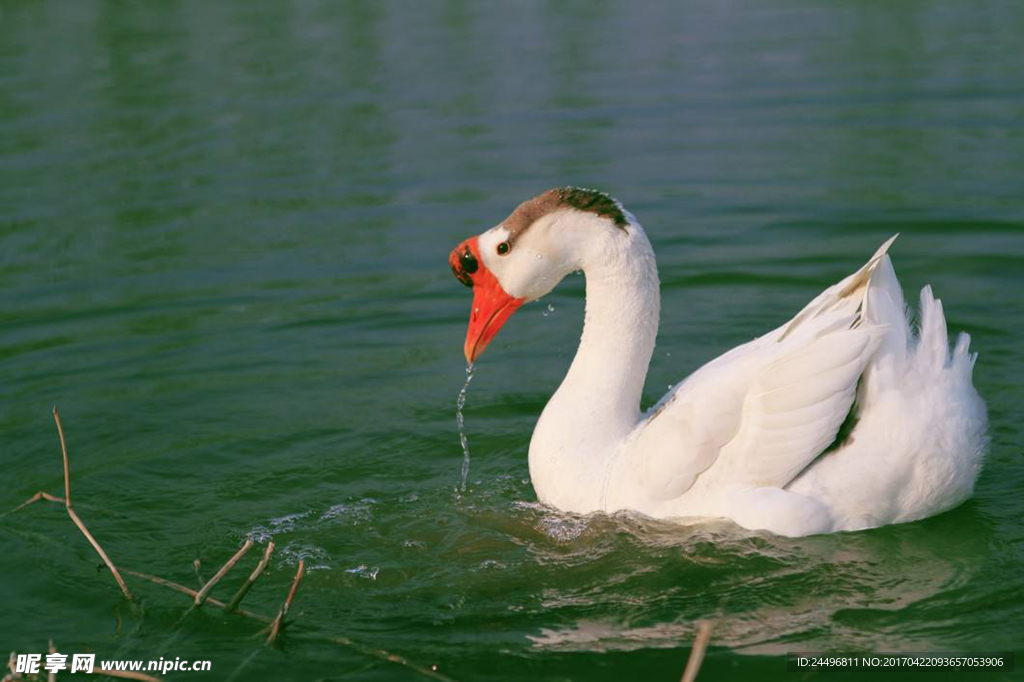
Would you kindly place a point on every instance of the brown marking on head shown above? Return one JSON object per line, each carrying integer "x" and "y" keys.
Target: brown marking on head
{"x": 589, "y": 200}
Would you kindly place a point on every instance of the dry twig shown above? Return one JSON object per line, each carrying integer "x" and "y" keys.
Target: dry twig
{"x": 251, "y": 580}
{"x": 35, "y": 498}
{"x": 278, "y": 624}
{"x": 202, "y": 594}
{"x": 69, "y": 507}
{"x": 64, "y": 451}
{"x": 178, "y": 587}
{"x": 52, "y": 677}
{"x": 700, "y": 645}
{"x": 74, "y": 516}
{"x": 390, "y": 658}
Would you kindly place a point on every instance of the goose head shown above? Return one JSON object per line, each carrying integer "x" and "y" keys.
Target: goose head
{"x": 526, "y": 255}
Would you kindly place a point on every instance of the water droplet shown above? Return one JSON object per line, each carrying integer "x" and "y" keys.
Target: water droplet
{"x": 670, "y": 386}
{"x": 547, "y": 311}
{"x": 540, "y": 257}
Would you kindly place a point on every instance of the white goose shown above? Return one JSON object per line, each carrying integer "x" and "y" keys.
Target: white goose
{"x": 745, "y": 437}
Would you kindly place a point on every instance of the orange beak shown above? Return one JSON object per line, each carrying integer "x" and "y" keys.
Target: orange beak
{"x": 492, "y": 306}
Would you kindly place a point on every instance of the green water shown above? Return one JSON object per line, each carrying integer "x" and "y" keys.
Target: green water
{"x": 223, "y": 241}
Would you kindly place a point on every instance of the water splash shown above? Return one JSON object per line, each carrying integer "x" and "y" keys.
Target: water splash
{"x": 364, "y": 571}
{"x": 459, "y": 404}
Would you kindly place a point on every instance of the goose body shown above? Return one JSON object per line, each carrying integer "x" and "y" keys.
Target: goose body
{"x": 752, "y": 435}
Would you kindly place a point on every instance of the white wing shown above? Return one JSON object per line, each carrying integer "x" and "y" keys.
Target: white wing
{"x": 795, "y": 407}
{"x": 765, "y": 410}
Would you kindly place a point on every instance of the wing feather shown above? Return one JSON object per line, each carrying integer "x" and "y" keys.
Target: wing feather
{"x": 795, "y": 407}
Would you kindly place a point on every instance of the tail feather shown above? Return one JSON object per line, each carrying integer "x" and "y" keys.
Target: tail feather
{"x": 933, "y": 339}
{"x": 962, "y": 355}
{"x": 884, "y": 306}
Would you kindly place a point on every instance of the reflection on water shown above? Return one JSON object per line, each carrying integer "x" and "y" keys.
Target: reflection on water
{"x": 823, "y": 593}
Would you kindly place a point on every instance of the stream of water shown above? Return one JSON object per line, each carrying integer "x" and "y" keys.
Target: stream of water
{"x": 460, "y": 421}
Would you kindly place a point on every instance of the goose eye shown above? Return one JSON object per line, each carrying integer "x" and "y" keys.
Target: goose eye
{"x": 503, "y": 248}
{"x": 469, "y": 263}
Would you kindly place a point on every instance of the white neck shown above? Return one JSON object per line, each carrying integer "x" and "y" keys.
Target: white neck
{"x": 598, "y": 402}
